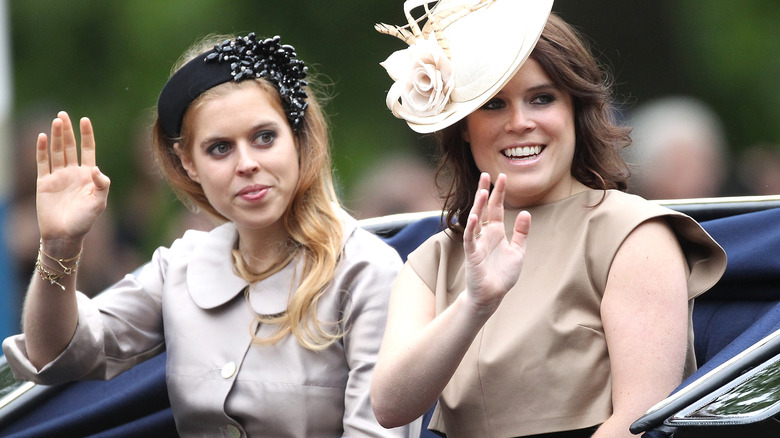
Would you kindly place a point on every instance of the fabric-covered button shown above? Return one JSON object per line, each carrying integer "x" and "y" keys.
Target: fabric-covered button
{"x": 232, "y": 431}
{"x": 228, "y": 370}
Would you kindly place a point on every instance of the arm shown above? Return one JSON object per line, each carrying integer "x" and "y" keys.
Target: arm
{"x": 70, "y": 197}
{"x": 645, "y": 316}
{"x": 369, "y": 278}
{"x": 421, "y": 351}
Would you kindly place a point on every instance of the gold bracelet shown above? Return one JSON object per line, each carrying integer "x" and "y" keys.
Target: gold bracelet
{"x": 55, "y": 277}
{"x": 52, "y": 277}
{"x": 67, "y": 270}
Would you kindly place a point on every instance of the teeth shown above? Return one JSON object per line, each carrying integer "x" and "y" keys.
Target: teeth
{"x": 523, "y": 152}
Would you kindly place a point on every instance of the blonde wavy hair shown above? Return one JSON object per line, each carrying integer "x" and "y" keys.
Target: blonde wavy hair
{"x": 311, "y": 220}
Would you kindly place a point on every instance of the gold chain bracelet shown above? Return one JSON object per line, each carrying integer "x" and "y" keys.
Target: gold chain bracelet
{"x": 55, "y": 277}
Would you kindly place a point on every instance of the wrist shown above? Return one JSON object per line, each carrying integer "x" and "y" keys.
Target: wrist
{"x": 481, "y": 310}
{"x": 61, "y": 248}
{"x": 53, "y": 268}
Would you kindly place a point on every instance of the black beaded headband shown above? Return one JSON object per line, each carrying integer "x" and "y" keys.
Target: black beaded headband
{"x": 236, "y": 60}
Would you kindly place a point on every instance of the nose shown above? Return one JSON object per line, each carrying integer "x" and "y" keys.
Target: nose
{"x": 247, "y": 163}
{"x": 520, "y": 119}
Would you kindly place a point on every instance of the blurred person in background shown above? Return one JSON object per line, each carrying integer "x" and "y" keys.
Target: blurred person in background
{"x": 679, "y": 150}
{"x": 400, "y": 183}
{"x": 758, "y": 170}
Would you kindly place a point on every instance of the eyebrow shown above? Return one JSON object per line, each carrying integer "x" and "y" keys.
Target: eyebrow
{"x": 543, "y": 86}
{"x": 535, "y": 88}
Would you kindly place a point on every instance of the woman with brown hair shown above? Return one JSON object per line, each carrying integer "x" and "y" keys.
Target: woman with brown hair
{"x": 570, "y": 324}
{"x": 271, "y": 321}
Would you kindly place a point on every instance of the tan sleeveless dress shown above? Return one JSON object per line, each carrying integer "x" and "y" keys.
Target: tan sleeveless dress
{"x": 540, "y": 364}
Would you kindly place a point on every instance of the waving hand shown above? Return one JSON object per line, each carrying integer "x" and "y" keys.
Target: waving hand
{"x": 493, "y": 262}
{"x": 70, "y": 196}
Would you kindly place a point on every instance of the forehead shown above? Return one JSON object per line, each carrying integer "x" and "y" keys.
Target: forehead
{"x": 531, "y": 74}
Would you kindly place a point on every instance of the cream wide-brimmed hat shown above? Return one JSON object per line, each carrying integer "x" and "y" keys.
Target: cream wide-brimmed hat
{"x": 463, "y": 55}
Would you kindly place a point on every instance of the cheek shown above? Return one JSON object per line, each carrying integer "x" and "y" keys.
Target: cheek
{"x": 293, "y": 163}
{"x": 483, "y": 157}
{"x": 475, "y": 128}
{"x": 483, "y": 132}
{"x": 568, "y": 122}
{"x": 294, "y": 174}
{"x": 212, "y": 179}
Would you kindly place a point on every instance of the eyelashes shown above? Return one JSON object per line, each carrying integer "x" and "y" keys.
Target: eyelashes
{"x": 261, "y": 139}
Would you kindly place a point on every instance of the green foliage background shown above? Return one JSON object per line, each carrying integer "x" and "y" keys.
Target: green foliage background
{"x": 109, "y": 59}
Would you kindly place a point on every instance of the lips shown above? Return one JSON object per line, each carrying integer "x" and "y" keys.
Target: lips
{"x": 253, "y": 193}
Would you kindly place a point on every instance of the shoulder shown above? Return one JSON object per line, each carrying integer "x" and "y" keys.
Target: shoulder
{"x": 439, "y": 245}
{"x": 190, "y": 240}
{"x": 620, "y": 213}
{"x": 651, "y": 240}
{"x": 222, "y": 236}
{"x": 206, "y": 251}
{"x": 634, "y": 211}
{"x": 645, "y": 225}
{"x": 366, "y": 270}
{"x": 363, "y": 247}
{"x": 618, "y": 205}
{"x": 440, "y": 255}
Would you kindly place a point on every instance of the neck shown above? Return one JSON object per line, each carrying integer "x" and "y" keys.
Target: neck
{"x": 263, "y": 249}
{"x": 572, "y": 188}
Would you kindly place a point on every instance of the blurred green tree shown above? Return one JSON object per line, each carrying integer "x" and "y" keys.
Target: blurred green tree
{"x": 109, "y": 59}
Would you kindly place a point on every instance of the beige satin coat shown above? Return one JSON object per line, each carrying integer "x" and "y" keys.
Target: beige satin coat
{"x": 188, "y": 300}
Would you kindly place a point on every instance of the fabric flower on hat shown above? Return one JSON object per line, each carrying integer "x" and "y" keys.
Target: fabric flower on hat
{"x": 424, "y": 79}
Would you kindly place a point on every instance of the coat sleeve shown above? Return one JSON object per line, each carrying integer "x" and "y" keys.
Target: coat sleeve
{"x": 116, "y": 330}
{"x": 368, "y": 272}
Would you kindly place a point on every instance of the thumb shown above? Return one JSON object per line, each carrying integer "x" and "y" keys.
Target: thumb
{"x": 101, "y": 181}
{"x": 522, "y": 228}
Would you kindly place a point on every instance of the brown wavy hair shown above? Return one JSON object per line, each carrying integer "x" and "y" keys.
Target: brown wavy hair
{"x": 311, "y": 219}
{"x": 565, "y": 57}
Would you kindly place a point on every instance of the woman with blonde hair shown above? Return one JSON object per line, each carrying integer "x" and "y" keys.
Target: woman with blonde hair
{"x": 272, "y": 320}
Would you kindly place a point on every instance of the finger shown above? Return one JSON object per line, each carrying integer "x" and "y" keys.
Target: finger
{"x": 101, "y": 181}
{"x": 521, "y": 230}
{"x": 87, "y": 142}
{"x": 42, "y": 155}
{"x": 484, "y": 181}
{"x": 495, "y": 211}
{"x": 484, "y": 184}
{"x": 69, "y": 140}
{"x": 469, "y": 235}
{"x": 473, "y": 227}
{"x": 55, "y": 152}
{"x": 478, "y": 208}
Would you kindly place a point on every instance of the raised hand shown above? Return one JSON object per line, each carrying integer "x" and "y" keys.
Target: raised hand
{"x": 70, "y": 196}
{"x": 493, "y": 262}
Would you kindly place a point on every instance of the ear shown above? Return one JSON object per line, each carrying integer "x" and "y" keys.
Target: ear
{"x": 464, "y": 133}
{"x": 186, "y": 162}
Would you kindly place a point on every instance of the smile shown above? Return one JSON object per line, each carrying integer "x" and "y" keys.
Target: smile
{"x": 523, "y": 152}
